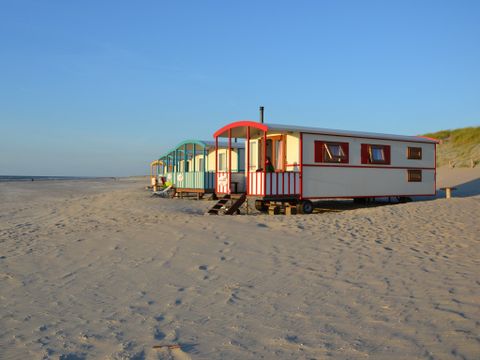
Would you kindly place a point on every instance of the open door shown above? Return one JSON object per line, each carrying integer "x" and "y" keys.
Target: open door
{"x": 275, "y": 151}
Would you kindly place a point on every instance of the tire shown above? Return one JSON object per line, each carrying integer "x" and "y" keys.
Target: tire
{"x": 261, "y": 206}
{"x": 305, "y": 207}
{"x": 404, "y": 199}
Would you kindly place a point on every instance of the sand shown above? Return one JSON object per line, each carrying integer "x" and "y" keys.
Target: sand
{"x": 102, "y": 270}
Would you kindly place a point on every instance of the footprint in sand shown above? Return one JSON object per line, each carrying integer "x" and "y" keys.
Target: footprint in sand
{"x": 158, "y": 334}
{"x": 172, "y": 352}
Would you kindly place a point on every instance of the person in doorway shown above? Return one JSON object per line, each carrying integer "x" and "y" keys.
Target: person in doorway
{"x": 269, "y": 166}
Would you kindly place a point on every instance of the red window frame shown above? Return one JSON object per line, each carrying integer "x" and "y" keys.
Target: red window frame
{"x": 414, "y": 175}
{"x": 414, "y": 153}
{"x": 367, "y": 154}
{"x": 321, "y": 154}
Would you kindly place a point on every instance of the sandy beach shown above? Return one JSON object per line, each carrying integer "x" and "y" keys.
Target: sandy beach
{"x": 100, "y": 269}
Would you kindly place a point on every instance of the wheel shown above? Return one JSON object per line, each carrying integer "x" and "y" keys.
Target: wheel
{"x": 305, "y": 207}
{"x": 261, "y": 206}
{"x": 360, "y": 201}
{"x": 404, "y": 199}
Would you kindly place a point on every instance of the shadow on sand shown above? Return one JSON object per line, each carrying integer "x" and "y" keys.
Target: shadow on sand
{"x": 467, "y": 189}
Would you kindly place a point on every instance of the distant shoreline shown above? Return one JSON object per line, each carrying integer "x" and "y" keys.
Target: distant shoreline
{"x": 12, "y": 178}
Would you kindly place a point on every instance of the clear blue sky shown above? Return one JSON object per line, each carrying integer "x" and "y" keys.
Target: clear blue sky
{"x": 103, "y": 87}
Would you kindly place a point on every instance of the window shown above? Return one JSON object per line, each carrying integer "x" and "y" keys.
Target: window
{"x": 414, "y": 175}
{"x": 253, "y": 154}
{"x": 200, "y": 164}
{"x": 331, "y": 152}
{"x": 222, "y": 164}
{"x": 414, "y": 153}
{"x": 375, "y": 154}
{"x": 241, "y": 159}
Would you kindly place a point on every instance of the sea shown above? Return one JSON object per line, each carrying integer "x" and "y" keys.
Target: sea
{"x": 5, "y": 178}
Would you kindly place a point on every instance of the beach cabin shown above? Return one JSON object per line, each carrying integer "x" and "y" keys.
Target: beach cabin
{"x": 190, "y": 166}
{"x": 155, "y": 169}
{"x": 295, "y": 164}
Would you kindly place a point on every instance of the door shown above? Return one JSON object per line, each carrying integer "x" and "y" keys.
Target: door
{"x": 275, "y": 152}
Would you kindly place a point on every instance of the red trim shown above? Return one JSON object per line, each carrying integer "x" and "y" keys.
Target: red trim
{"x": 369, "y": 167}
{"x": 365, "y": 196}
{"x": 229, "y": 187}
{"x": 435, "y": 175}
{"x": 430, "y": 138}
{"x": 240, "y": 123}
{"x": 216, "y": 163}
{"x": 366, "y": 152}
{"x": 301, "y": 165}
{"x": 248, "y": 159}
{"x": 366, "y": 137}
{"x": 320, "y": 151}
{"x": 264, "y": 162}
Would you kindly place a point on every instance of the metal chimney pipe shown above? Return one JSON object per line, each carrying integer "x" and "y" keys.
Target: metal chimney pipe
{"x": 261, "y": 114}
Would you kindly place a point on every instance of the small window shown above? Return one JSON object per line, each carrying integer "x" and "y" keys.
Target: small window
{"x": 331, "y": 152}
{"x": 375, "y": 154}
{"x": 414, "y": 175}
{"x": 222, "y": 164}
{"x": 200, "y": 164}
{"x": 414, "y": 153}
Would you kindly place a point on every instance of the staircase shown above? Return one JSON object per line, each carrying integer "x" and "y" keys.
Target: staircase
{"x": 236, "y": 202}
{"x": 220, "y": 203}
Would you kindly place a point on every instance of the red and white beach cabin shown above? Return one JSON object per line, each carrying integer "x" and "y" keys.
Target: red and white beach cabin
{"x": 315, "y": 163}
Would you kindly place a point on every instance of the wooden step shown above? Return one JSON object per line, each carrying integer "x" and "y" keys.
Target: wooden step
{"x": 220, "y": 203}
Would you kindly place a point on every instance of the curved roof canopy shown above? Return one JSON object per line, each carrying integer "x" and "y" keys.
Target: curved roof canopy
{"x": 238, "y": 129}
{"x": 200, "y": 145}
{"x": 156, "y": 163}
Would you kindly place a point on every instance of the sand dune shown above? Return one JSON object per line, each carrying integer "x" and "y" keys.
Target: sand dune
{"x": 102, "y": 270}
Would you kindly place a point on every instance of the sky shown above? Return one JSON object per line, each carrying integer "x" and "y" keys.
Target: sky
{"x": 101, "y": 88}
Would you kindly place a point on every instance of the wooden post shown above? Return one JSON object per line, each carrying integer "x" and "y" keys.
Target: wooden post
{"x": 205, "y": 167}
{"x": 194, "y": 160}
{"x": 448, "y": 192}
{"x": 185, "y": 159}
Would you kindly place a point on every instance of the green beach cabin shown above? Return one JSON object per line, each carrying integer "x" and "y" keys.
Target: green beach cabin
{"x": 190, "y": 166}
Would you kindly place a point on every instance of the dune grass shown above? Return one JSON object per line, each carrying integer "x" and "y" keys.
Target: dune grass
{"x": 459, "y": 147}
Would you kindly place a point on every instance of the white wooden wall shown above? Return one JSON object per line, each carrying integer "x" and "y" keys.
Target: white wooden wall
{"x": 363, "y": 180}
